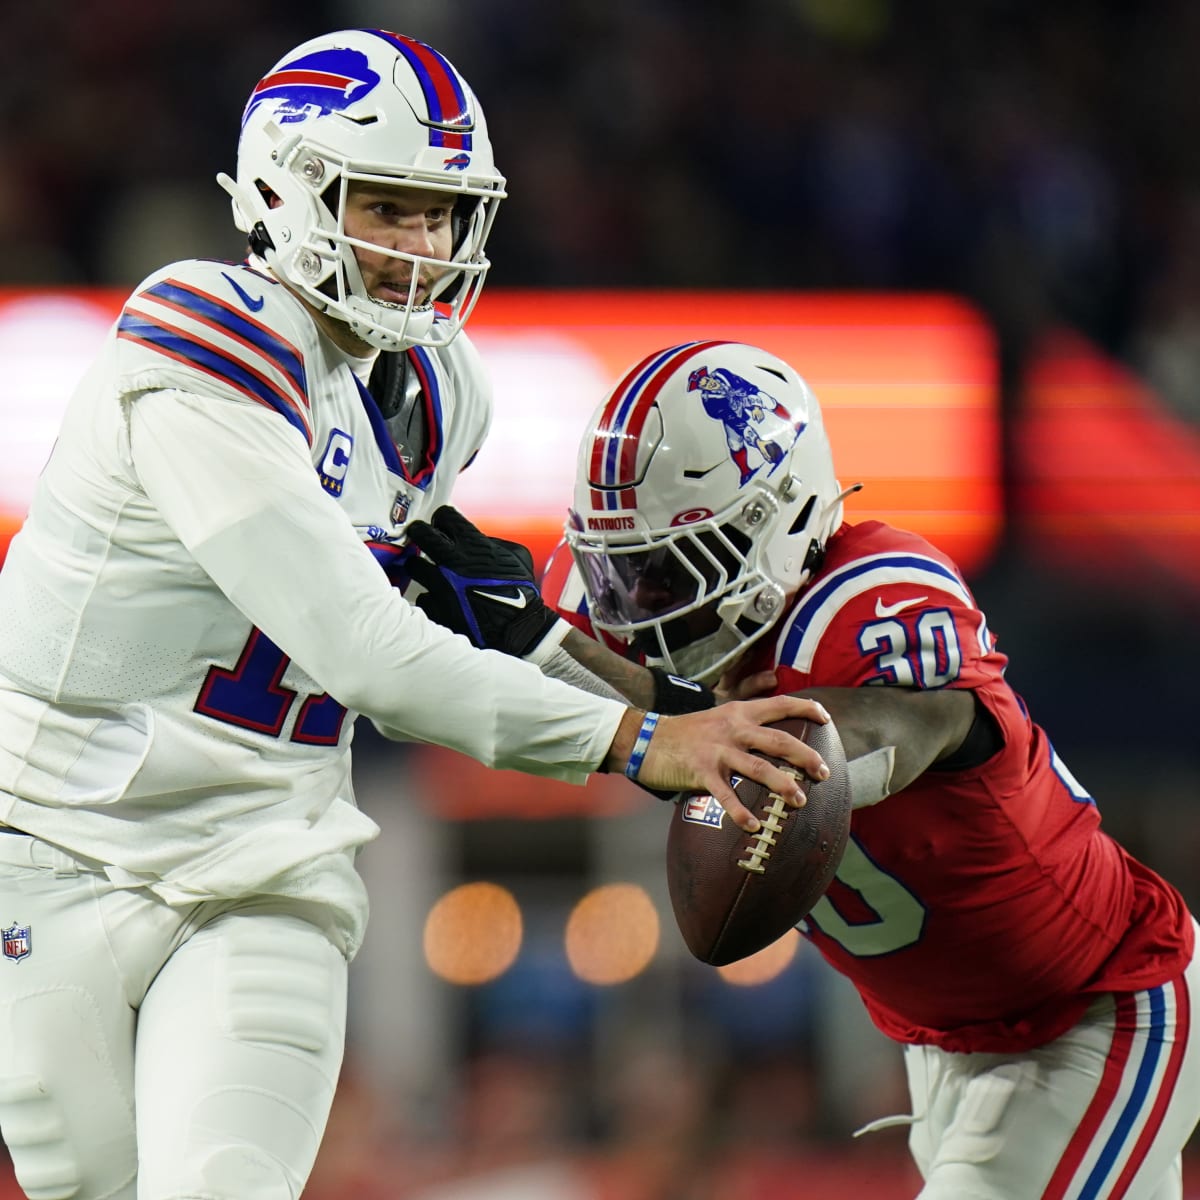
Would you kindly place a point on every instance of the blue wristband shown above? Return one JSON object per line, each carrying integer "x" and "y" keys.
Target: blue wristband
{"x": 634, "y": 765}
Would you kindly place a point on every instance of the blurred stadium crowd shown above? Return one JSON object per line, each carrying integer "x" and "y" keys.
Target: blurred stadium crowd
{"x": 1042, "y": 160}
{"x": 1037, "y": 158}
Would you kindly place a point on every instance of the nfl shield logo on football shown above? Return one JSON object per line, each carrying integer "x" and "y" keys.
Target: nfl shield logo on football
{"x": 703, "y": 810}
{"x": 16, "y": 942}
{"x": 400, "y": 507}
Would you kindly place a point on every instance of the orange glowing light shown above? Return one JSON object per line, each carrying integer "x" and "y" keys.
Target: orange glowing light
{"x": 765, "y": 965}
{"x": 612, "y": 934}
{"x": 473, "y": 933}
{"x": 908, "y": 384}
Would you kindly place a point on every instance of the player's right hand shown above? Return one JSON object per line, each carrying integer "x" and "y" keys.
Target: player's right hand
{"x": 699, "y": 752}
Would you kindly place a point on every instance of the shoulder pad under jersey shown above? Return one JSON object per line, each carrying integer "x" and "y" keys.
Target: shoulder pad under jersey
{"x": 220, "y": 329}
{"x": 887, "y": 610}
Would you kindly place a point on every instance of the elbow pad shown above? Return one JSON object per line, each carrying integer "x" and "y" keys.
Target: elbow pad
{"x": 871, "y": 776}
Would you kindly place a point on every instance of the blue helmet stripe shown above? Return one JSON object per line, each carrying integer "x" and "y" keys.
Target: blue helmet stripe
{"x": 440, "y": 85}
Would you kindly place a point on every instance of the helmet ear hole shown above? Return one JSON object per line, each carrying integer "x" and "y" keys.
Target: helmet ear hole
{"x": 260, "y": 240}
{"x": 814, "y": 557}
{"x": 803, "y": 516}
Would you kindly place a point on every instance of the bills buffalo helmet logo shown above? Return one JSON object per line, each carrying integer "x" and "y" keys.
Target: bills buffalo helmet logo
{"x": 314, "y": 85}
{"x": 17, "y": 942}
{"x": 755, "y": 422}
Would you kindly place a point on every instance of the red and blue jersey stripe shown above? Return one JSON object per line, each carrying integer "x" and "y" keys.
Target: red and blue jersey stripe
{"x": 818, "y": 606}
{"x": 1137, "y": 1084}
{"x": 441, "y": 87}
{"x": 612, "y": 467}
{"x": 248, "y": 372}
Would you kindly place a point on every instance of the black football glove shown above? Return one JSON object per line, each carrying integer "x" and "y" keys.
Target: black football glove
{"x": 482, "y": 587}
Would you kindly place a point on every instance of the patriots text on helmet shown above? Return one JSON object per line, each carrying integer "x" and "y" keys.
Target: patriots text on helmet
{"x": 611, "y": 524}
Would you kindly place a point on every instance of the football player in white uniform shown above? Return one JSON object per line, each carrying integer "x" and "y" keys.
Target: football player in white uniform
{"x": 206, "y": 592}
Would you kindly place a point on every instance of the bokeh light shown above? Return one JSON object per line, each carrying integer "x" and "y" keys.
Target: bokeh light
{"x": 473, "y": 933}
{"x": 612, "y": 933}
{"x": 764, "y": 966}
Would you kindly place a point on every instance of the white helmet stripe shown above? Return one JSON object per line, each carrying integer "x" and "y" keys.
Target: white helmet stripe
{"x": 614, "y": 446}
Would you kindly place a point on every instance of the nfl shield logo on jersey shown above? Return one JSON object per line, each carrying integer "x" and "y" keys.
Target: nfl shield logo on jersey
{"x": 16, "y": 942}
{"x": 400, "y": 507}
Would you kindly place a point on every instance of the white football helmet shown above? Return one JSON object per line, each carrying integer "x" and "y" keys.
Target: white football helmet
{"x": 365, "y": 105}
{"x": 704, "y": 496}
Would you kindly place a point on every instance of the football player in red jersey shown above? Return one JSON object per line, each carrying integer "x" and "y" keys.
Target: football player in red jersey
{"x": 1040, "y": 979}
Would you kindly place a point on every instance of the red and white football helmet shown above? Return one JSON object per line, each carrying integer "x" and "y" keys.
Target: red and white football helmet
{"x": 704, "y": 495}
{"x": 365, "y": 105}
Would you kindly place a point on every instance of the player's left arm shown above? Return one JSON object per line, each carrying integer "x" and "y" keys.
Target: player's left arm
{"x": 899, "y": 652}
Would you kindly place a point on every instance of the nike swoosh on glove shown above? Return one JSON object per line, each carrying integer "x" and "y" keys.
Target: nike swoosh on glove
{"x": 480, "y": 586}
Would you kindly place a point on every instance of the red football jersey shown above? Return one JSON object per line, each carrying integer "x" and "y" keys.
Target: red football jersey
{"x": 977, "y": 910}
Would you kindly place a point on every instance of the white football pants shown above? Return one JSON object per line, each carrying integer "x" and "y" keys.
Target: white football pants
{"x": 1100, "y": 1113}
{"x": 156, "y": 1052}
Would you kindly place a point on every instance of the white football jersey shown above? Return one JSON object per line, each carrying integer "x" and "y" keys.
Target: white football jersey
{"x": 197, "y": 608}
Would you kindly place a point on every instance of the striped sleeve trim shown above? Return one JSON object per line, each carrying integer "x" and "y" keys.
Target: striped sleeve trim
{"x": 205, "y": 333}
{"x": 813, "y": 616}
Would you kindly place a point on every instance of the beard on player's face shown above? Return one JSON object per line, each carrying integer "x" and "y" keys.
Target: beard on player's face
{"x": 679, "y": 632}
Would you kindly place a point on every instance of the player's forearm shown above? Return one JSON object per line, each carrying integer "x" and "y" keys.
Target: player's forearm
{"x": 919, "y": 727}
{"x": 632, "y": 681}
{"x": 287, "y": 558}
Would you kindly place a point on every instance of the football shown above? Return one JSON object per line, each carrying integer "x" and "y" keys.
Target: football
{"x": 733, "y": 893}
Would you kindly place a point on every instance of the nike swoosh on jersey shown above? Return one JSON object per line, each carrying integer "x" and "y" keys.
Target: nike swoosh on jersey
{"x": 890, "y": 610}
{"x": 253, "y": 303}
{"x": 520, "y": 600}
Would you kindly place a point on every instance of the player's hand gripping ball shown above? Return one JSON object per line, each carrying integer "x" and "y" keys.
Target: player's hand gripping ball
{"x": 734, "y": 892}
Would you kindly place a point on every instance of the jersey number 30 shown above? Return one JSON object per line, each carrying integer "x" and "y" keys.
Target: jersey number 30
{"x": 250, "y": 696}
{"x": 930, "y": 659}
